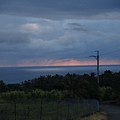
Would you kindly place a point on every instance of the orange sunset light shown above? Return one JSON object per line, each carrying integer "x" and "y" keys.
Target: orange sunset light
{"x": 68, "y": 63}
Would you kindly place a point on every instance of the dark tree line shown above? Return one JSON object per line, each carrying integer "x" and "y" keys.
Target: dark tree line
{"x": 110, "y": 81}
{"x": 77, "y": 85}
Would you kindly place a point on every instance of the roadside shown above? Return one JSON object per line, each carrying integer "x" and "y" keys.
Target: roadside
{"x": 112, "y": 110}
{"x": 96, "y": 116}
{"x": 107, "y": 112}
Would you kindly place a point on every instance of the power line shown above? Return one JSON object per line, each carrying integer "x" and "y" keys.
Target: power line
{"x": 118, "y": 44}
{"x": 110, "y": 52}
{"x": 92, "y": 51}
{"x": 85, "y": 55}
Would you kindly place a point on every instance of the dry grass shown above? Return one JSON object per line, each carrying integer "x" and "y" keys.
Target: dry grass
{"x": 97, "y": 116}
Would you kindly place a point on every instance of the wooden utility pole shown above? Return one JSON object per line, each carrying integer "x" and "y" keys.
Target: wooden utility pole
{"x": 97, "y": 58}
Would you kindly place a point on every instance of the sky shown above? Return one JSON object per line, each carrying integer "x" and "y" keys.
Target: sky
{"x": 59, "y": 32}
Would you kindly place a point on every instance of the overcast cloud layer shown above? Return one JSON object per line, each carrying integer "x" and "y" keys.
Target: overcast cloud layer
{"x": 59, "y": 32}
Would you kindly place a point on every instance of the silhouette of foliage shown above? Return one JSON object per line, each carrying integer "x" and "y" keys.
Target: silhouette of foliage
{"x": 81, "y": 86}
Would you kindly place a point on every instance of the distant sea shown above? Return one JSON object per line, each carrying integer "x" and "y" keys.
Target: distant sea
{"x": 11, "y": 75}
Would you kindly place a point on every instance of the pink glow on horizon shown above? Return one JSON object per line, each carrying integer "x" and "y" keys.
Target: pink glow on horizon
{"x": 63, "y": 63}
{"x": 69, "y": 63}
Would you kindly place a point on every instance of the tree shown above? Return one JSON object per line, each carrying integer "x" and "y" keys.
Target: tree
{"x": 2, "y": 86}
{"x": 116, "y": 84}
{"x": 106, "y": 78}
{"x": 76, "y": 86}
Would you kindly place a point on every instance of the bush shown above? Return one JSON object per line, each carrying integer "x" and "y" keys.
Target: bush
{"x": 106, "y": 93}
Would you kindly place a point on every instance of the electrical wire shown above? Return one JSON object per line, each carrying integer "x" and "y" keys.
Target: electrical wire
{"x": 110, "y": 52}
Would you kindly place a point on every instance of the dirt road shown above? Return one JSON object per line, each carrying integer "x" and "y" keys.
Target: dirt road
{"x": 113, "y": 111}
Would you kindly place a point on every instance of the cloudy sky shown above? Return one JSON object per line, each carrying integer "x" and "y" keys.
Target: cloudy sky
{"x": 59, "y": 32}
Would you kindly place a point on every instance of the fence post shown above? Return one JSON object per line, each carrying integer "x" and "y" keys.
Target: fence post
{"x": 15, "y": 109}
{"x": 98, "y": 108}
{"x": 75, "y": 107}
{"x": 57, "y": 109}
{"x": 41, "y": 110}
{"x": 68, "y": 110}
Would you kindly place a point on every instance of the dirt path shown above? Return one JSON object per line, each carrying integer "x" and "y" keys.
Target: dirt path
{"x": 113, "y": 111}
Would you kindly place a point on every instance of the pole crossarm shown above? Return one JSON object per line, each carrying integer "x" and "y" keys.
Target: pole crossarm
{"x": 93, "y": 56}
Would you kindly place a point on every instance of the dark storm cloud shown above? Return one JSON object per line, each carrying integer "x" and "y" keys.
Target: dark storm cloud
{"x": 58, "y": 9}
{"x": 13, "y": 38}
{"x": 76, "y": 27}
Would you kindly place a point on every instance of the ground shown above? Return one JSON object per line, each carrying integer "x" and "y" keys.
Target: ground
{"x": 112, "y": 111}
{"x": 107, "y": 112}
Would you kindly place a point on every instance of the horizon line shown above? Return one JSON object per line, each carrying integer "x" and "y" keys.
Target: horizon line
{"x": 62, "y": 65}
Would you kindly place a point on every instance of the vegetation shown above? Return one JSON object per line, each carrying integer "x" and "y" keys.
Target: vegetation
{"x": 45, "y": 109}
{"x": 109, "y": 85}
{"x": 70, "y": 85}
{"x": 31, "y": 98}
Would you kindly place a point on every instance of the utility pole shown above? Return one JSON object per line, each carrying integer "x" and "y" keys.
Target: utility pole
{"x": 97, "y": 66}
{"x": 97, "y": 58}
